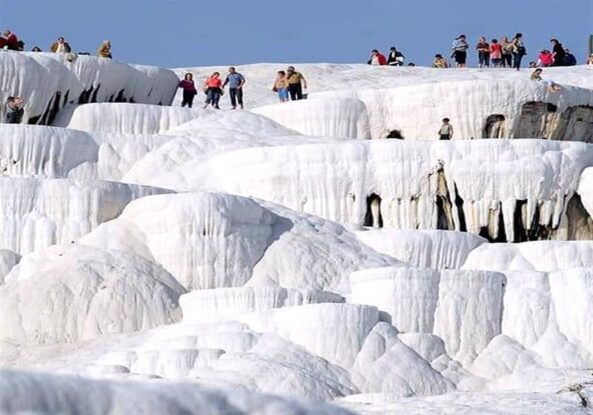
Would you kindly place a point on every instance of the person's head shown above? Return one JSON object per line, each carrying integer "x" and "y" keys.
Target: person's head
{"x": 567, "y": 50}
{"x": 554, "y": 41}
{"x": 446, "y": 120}
{"x": 482, "y": 39}
{"x": 393, "y": 49}
{"x": 438, "y": 56}
{"x": 61, "y": 40}
{"x": 189, "y": 76}
{"x": 411, "y": 64}
{"x": 290, "y": 69}
{"x": 374, "y": 52}
{"x": 461, "y": 37}
{"x": 7, "y": 33}
{"x": 281, "y": 73}
{"x": 494, "y": 41}
{"x": 518, "y": 35}
{"x": 532, "y": 64}
{"x": 106, "y": 44}
{"x": 36, "y": 49}
{"x": 215, "y": 74}
{"x": 232, "y": 69}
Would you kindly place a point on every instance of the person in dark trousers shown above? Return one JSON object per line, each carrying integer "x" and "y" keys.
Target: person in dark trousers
{"x": 446, "y": 130}
{"x": 213, "y": 89}
{"x": 395, "y": 57}
{"x": 296, "y": 83}
{"x": 569, "y": 59}
{"x": 483, "y": 49}
{"x": 460, "y": 47}
{"x": 558, "y": 53}
{"x": 189, "y": 90}
{"x": 14, "y": 110}
{"x": 518, "y": 50}
{"x": 235, "y": 82}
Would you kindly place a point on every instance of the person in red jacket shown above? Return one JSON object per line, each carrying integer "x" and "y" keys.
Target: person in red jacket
{"x": 377, "y": 58}
{"x": 545, "y": 58}
{"x": 12, "y": 42}
{"x": 213, "y": 88}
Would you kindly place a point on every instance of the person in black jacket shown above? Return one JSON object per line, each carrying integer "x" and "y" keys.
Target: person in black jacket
{"x": 14, "y": 110}
{"x": 395, "y": 57}
{"x": 558, "y": 53}
{"x": 570, "y": 59}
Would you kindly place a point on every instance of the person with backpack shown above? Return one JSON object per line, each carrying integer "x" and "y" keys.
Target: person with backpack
{"x": 558, "y": 53}
{"x": 507, "y": 52}
{"x": 281, "y": 86}
{"x": 495, "y": 53}
{"x": 460, "y": 47}
{"x": 14, "y": 110}
{"x": 235, "y": 82}
{"x": 296, "y": 83}
{"x": 483, "y": 49}
{"x": 60, "y": 46}
{"x": 377, "y": 58}
{"x": 446, "y": 130}
{"x": 189, "y": 90}
{"x": 213, "y": 89}
{"x": 518, "y": 50}
{"x": 395, "y": 57}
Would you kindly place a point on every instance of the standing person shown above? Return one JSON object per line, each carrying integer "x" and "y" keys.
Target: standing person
{"x": 558, "y": 53}
{"x": 213, "y": 89}
{"x": 569, "y": 59}
{"x": 60, "y": 46}
{"x": 377, "y": 58}
{"x": 395, "y": 57}
{"x": 483, "y": 49}
{"x": 460, "y": 47}
{"x": 189, "y": 90}
{"x": 446, "y": 130}
{"x": 235, "y": 81}
{"x": 296, "y": 83}
{"x": 495, "y": 53}
{"x": 105, "y": 50}
{"x": 545, "y": 58}
{"x": 507, "y": 52}
{"x": 440, "y": 62}
{"x": 14, "y": 110}
{"x": 518, "y": 50}
{"x": 281, "y": 86}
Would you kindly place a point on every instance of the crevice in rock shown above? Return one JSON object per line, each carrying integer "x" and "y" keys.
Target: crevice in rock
{"x": 495, "y": 126}
{"x": 537, "y": 120}
{"x": 373, "y": 216}
{"x": 395, "y": 134}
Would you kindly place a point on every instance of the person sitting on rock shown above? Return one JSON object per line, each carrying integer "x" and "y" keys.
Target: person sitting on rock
{"x": 377, "y": 58}
{"x": 440, "y": 62}
{"x": 545, "y": 58}
{"x": 60, "y": 46}
{"x": 14, "y": 110}
{"x": 395, "y": 57}
{"x": 105, "y": 50}
{"x": 570, "y": 59}
{"x": 537, "y": 76}
{"x": 11, "y": 41}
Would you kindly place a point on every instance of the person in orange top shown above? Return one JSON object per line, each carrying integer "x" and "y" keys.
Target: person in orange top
{"x": 213, "y": 89}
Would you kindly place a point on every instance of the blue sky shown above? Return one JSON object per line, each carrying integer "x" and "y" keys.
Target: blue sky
{"x": 175, "y": 33}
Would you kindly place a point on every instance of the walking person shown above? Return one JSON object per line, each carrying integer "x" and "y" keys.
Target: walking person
{"x": 460, "y": 47}
{"x": 296, "y": 83}
{"x": 558, "y": 53}
{"x": 495, "y": 54}
{"x": 507, "y": 52}
{"x": 518, "y": 50}
{"x": 189, "y": 90}
{"x": 14, "y": 110}
{"x": 446, "y": 130}
{"x": 483, "y": 49}
{"x": 395, "y": 57}
{"x": 60, "y": 46}
{"x": 281, "y": 86}
{"x": 213, "y": 89}
{"x": 235, "y": 82}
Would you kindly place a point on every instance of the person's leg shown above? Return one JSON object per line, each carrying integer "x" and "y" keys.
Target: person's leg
{"x": 480, "y": 59}
{"x": 216, "y": 98}
{"x": 292, "y": 91}
{"x": 240, "y": 97}
{"x": 487, "y": 60}
{"x": 299, "y": 91}
{"x": 190, "y": 100}
{"x": 233, "y": 95}
{"x": 209, "y": 97}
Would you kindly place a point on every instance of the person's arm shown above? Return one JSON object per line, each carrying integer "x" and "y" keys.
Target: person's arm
{"x": 226, "y": 81}
{"x": 241, "y": 82}
{"x": 304, "y": 81}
